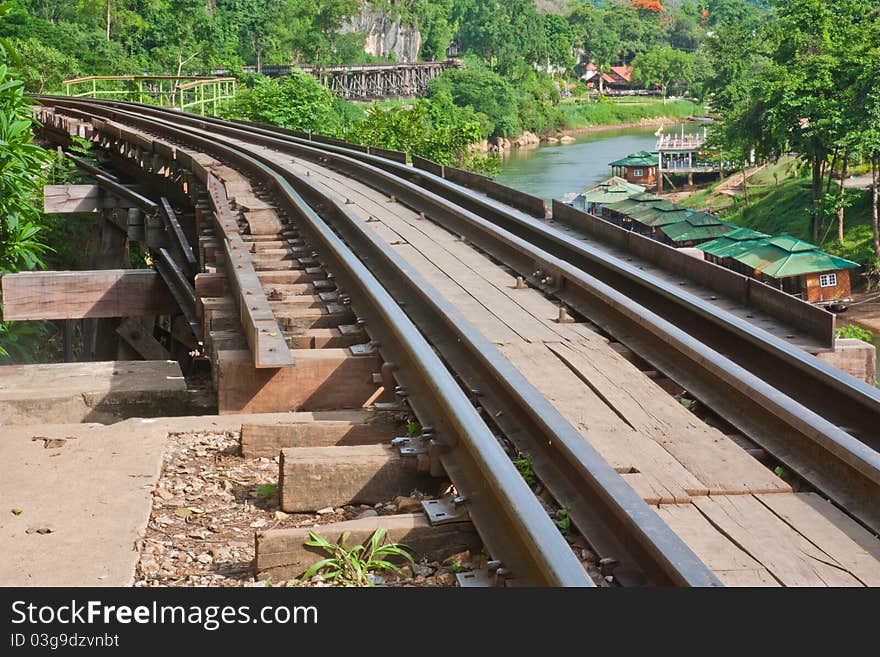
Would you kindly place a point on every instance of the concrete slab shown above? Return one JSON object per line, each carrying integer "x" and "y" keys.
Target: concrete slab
{"x": 103, "y": 392}
{"x": 93, "y": 491}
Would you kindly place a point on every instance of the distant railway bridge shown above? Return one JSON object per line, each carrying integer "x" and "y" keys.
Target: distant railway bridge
{"x": 367, "y": 82}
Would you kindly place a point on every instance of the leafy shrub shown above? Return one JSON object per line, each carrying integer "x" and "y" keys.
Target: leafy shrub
{"x": 22, "y": 176}
{"x": 506, "y": 109}
{"x": 43, "y": 68}
{"x": 854, "y": 331}
{"x": 431, "y": 130}
{"x": 296, "y": 101}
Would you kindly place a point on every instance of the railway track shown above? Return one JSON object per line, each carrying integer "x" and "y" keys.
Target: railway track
{"x": 719, "y": 359}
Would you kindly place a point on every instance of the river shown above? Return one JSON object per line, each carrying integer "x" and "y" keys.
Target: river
{"x": 552, "y": 170}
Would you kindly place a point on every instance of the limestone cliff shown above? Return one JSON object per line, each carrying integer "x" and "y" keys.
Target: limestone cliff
{"x": 385, "y": 35}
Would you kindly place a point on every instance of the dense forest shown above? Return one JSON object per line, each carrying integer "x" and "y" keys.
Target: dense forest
{"x": 65, "y": 38}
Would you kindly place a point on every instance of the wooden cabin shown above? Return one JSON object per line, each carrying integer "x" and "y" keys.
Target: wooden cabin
{"x": 797, "y": 267}
{"x": 638, "y": 168}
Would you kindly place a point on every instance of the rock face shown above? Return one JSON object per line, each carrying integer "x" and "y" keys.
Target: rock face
{"x": 385, "y": 36}
{"x": 527, "y": 139}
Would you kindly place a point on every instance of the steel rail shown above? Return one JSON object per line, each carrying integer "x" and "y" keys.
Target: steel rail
{"x": 837, "y": 464}
{"x": 513, "y": 524}
{"x": 848, "y": 403}
{"x": 604, "y": 507}
{"x": 844, "y": 400}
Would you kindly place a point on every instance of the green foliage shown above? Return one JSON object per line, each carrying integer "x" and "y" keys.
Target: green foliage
{"x": 504, "y": 109}
{"x": 413, "y": 429}
{"x": 611, "y": 113}
{"x": 21, "y": 180}
{"x": 487, "y": 94}
{"x": 434, "y": 129}
{"x": 662, "y": 66}
{"x": 783, "y": 205}
{"x": 42, "y": 68}
{"x": 563, "y": 520}
{"x": 803, "y": 81}
{"x": 523, "y": 465}
{"x": 854, "y": 331}
{"x": 268, "y": 490}
{"x": 356, "y": 566}
{"x": 22, "y": 342}
{"x": 309, "y": 30}
{"x": 297, "y": 101}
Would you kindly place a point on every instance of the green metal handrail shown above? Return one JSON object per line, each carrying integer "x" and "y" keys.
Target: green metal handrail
{"x": 193, "y": 92}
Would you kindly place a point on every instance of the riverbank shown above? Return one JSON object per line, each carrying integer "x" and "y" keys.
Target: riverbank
{"x": 586, "y": 118}
{"x": 527, "y": 140}
{"x": 552, "y": 170}
{"x": 642, "y": 123}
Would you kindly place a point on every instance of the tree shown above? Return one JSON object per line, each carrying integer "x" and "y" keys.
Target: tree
{"x": 863, "y": 113}
{"x": 310, "y": 30}
{"x": 780, "y": 87}
{"x": 484, "y": 91}
{"x": 559, "y": 38}
{"x": 181, "y": 27}
{"x": 43, "y": 68}
{"x": 22, "y": 167}
{"x": 662, "y": 66}
{"x": 686, "y": 32}
{"x": 246, "y": 27}
{"x": 601, "y": 44}
{"x": 507, "y": 35}
{"x": 731, "y": 12}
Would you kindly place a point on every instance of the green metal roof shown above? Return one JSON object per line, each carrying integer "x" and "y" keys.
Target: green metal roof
{"x": 685, "y": 231}
{"x": 632, "y": 203}
{"x": 665, "y": 206}
{"x": 734, "y": 243}
{"x": 611, "y": 191}
{"x": 647, "y": 196}
{"x": 733, "y": 249}
{"x": 665, "y": 217}
{"x": 704, "y": 219}
{"x": 791, "y": 259}
{"x": 745, "y": 235}
{"x": 792, "y": 244}
{"x": 638, "y": 159}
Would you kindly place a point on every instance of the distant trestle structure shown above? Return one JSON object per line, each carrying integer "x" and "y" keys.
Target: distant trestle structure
{"x": 368, "y": 81}
{"x": 380, "y": 81}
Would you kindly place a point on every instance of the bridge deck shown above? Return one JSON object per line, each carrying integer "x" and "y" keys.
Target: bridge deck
{"x": 736, "y": 514}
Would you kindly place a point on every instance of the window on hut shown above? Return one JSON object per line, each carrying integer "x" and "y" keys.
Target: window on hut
{"x": 828, "y": 280}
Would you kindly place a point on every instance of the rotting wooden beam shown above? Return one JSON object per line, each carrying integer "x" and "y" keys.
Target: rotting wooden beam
{"x": 322, "y": 379}
{"x": 260, "y": 326}
{"x": 357, "y": 428}
{"x": 62, "y": 199}
{"x": 84, "y": 294}
{"x": 139, "y": 336}
{"x": 312, "y": 478}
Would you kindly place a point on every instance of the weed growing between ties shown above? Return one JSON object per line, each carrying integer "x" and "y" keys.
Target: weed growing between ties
{"x": 358, "y": 565}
